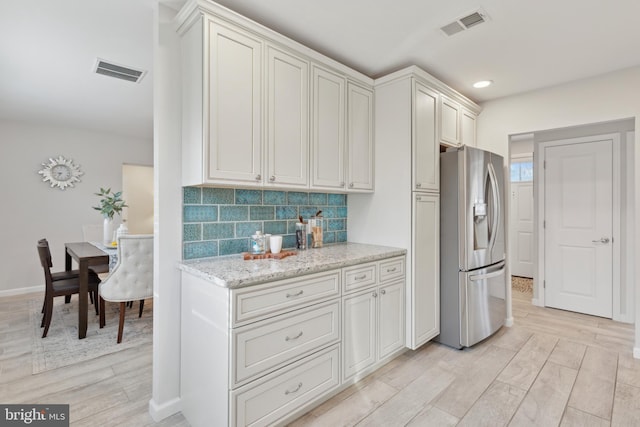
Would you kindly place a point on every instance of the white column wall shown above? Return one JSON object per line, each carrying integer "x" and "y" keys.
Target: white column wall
{"x": 165, "y": 398}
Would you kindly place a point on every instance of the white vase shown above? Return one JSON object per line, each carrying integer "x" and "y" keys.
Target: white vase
{"x": 107, "y": 231}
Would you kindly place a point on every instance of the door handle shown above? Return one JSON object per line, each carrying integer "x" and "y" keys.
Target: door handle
{"x": 602, "y": 240}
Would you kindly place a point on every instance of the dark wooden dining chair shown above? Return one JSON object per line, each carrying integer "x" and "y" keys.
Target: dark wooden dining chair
{"x": 64, "y": 284}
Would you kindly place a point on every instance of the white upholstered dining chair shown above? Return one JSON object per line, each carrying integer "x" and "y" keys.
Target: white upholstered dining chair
{"x": 132, "y": 277}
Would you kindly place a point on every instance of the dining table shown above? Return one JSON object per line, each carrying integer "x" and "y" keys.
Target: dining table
{"x": 86, "y": 255}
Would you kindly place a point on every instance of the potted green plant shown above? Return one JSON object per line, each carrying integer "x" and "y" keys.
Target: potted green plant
{"x": 110, "y": 204}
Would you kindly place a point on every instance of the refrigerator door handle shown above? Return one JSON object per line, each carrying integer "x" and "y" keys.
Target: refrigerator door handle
{"x": 496, "y": 205}
{"x": 477, "y": 277}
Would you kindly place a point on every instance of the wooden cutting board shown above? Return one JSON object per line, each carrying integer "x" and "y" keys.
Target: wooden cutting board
{"x": 283, "y": 254}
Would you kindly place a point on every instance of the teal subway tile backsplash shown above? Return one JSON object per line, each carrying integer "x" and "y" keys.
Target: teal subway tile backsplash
{"x": 217, "y": 196}
{"x": 220, "y": 221}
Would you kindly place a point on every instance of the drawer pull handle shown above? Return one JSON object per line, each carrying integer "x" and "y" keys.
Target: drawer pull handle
{"x": 375, "y": 295}
{"x": 293, "y": 391}
{"x": 294, "y": 338}
{"x": 364, "y": 276}
{"x": 391, "y": 270}
{"x": 383, "y": 292}
{"x": 297, "y": 294}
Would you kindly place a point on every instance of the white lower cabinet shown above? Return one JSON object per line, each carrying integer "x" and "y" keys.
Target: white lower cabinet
{"x": 390, "y": 319}
{"x": 359, "y": 332}
{"x": 272, "y": 398}
{"x": 264, "y": 354}
{"x": 373, "y": 323}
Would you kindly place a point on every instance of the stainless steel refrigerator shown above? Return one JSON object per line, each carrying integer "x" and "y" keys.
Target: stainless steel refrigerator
{"x": 472, "y": 246}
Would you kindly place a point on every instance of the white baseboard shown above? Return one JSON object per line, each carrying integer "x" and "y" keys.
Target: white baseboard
{"x": 508, "y": 322}
{"x": 636, "y": 352}
{"x": 160, "y": 412}
{"x": 536, "y": 302}
{"x": 21, "y": 291}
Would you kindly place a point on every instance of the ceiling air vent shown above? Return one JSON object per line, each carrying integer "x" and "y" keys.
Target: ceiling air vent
{"x": 118, "y": 71}
{"x": 464, "y": 23}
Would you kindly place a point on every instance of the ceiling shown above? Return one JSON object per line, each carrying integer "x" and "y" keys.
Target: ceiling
{"x": 48, "y": 48}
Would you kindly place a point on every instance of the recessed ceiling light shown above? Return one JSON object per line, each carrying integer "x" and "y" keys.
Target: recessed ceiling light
{"x": 482, "y": 83}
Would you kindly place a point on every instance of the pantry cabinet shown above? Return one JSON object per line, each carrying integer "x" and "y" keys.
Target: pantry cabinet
{"x": 287, "y": 119}
{"x": 260, "y": 110}
{"x": 425, "y": 280}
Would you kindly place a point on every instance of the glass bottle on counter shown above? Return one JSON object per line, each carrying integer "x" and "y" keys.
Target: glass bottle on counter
{"x": 257, "y": 243}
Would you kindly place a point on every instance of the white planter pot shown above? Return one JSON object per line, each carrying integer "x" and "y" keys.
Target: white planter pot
{"x": 107, "y": 231}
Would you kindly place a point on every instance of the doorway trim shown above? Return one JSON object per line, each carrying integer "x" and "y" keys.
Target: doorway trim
{"x": 539, "y": 198}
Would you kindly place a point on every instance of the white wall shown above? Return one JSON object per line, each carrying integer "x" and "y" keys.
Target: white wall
{"x": 31, "y": 209}
{"x": 609, "y": 97}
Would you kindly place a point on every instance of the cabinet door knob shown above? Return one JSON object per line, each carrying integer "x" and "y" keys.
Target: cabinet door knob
{"x": 351, "y": 185}
{"x": 342, "y": 184}
{"x": 375, "y": 295}
{"x": 383, "y": 292}
{"x": 418, "y": 185}
{"x": 258, "y": 177}
{"x": 272, "y": 178}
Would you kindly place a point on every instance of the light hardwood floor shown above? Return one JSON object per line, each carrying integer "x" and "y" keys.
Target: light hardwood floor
{"x": 112, "y": 390}
{"x": 551, "y": 368}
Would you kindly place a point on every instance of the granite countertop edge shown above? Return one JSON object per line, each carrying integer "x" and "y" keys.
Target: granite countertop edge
{"x": 232, "y": 271}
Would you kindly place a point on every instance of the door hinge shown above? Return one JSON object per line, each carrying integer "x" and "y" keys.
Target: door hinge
{"x": 544, "y": 164}
{"x": 544, "y": 223}
{"x": 544, "y": 284}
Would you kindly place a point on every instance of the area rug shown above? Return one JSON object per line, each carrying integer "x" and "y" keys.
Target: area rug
{"x": 62, "y": 347}
{"x": 522, "y": 284}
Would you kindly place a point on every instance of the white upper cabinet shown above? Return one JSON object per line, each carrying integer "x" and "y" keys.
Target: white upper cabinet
{"x": 457, "y": 124}
{"x": 449, "y": 122}
{"x": 256, "y": 113}
{"x": 424, "y": 145}
{"x": 327, "y": 141}
{"x": 359, "y": 138}
{"x": 227, "y": 147}
{"x": 288, "y": 119}
{"x": 468, "y": 127}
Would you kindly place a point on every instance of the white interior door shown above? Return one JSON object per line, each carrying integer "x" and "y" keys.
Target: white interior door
{"x": 521, "y": 223}
{"x": 578, "y": 226}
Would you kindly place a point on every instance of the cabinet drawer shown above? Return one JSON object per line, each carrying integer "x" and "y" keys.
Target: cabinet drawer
{"x": 359, "y": 276}
{"x": 262, "y": 347}
{"x": 269, "y": 399}
{"x": 391, "y": 269}
{"x": 252, "y": 303}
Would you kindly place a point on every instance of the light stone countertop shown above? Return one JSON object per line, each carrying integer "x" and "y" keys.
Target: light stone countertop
{"x": 233, "y": 271}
